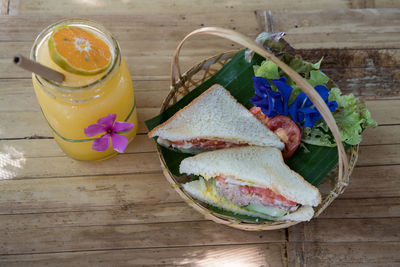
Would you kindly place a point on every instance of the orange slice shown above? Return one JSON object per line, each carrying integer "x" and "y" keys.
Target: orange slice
{"x": 79, "y": 51}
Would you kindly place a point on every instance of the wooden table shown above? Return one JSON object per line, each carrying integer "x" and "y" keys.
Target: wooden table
{"x": 58, "y": 211}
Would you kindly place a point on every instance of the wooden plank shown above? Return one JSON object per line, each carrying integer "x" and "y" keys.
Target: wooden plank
{"x": 86, "y": 215}
{"x": 32, "y": 123}
{"x": 347, "y": 254}
{"x": 363, "y": 208}
{"x": 371, "y": 81}
{"x": 271, "y": 254}
{"x": 352, "y": 58}
{"x": 133, "y": 27}
{"x": 141, "y": 67}
{"x": 374, "y": 182}
{"x": 167, "y": 7}
{"x": 24, "y": 99}
{"x": 158, "y": 235}
{"x": 15, "y": 166}
{"x": 139, "y": 48}
{"x": 367, "y": 82}
{"x": 385, "y": 135}
{"x": 356, "y": 28}
{"x": 382, "y": 135}
{"x": 4, "y": 6}
{"x": 347, "y": 230}
{"x": 96, "y": 192}
{"x": 125, "y": 192}
{"x": 105, "y": 215}
{"x": 24, "y": 86}
{"x": 37, "y": 148}
{"x": 385, "y": 111}
{"x": 184, "y": 8}
{"x": 18, "y": 95}
{"x": 379, "y": 155}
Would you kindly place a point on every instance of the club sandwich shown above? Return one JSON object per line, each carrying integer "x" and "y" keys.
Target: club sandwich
{"x": 214, "y": 120}
{"x": 252, "y": 181}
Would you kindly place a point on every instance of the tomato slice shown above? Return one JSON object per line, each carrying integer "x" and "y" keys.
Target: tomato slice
{"x": 283, "y": 126}
{"x": 266, "y": 194}
{"x": 288, "y": 132}
{"x": 207, "y": 144}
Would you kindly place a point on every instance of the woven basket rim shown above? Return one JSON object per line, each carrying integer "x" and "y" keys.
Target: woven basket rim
{"x": 223, "y": 219}
{"x": 345, "y": 165}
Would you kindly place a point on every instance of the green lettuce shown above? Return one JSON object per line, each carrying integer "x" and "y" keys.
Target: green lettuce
{"x": 319, "y": 135}
{"x": 267, "y": 69}
{"x": 351, "y": 115}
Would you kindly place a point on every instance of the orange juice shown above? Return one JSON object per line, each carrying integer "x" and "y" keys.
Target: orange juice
{"x": 81, "y": 100}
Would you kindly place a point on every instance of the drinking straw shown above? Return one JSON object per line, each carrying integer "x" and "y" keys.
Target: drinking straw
{"x": 38, "y": 69}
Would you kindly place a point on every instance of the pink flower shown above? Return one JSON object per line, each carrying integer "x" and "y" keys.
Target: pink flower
{"x": 111, "y": 128}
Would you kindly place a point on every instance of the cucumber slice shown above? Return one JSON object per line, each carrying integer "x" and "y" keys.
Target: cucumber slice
{"x": 271, "y": 211}
{"x": 192, "y": 151}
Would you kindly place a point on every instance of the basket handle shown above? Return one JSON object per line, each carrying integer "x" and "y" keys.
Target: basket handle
{"x": 303, "y": 84}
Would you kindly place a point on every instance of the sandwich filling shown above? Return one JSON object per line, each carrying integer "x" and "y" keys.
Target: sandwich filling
{"x": 197, "y": 145}
{"x": 254, "y": 198}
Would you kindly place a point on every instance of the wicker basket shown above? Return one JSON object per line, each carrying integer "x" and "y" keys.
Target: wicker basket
{"x": 181, "y": 84}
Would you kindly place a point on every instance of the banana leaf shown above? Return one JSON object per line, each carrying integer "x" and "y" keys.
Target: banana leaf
{"x": 310, "y": 161}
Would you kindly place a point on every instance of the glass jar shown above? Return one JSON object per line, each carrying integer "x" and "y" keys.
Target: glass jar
{"x": 72, "y": 106}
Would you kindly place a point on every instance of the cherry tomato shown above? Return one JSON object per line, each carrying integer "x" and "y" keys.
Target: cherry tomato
{"x": 288, "y": 132}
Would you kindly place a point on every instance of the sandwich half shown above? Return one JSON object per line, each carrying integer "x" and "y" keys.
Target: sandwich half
{"x": 252, "y": 181}
{"x": 212, "y": 121}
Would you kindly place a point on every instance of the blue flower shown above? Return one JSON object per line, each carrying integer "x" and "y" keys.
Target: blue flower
{"x": 268, "y": 100}
{"x": 271, "y": 102}
{"x": 302, "y": 110}
{"x": 285, "y": 91}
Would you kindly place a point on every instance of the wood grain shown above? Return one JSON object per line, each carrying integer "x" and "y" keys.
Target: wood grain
{"x": 347, "y": 254}
{"x": 80, "y": 193}
{"x": 58, "y": 212}
{"x": 374, "y": 182}
{"x": 17, "y": 166}
{"x": 4, "y": 5}
{"x": 132, "y": 27}
{"x": 361, "y": 28}
{"x": 158, "y": 235}
{"x": 19, "y": 7}
{"x": 181, "y": 7}
{"x": 126, "y": 214}
{"x": 363, "y": 208}
{"x": 85, "y": 193}
{"x": 31, "y": 123}
{"x": 347, "y": 230}
{"x": 270, "y": 254}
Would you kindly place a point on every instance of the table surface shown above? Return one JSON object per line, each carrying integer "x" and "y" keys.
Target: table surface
{"x": 58, "y": 211}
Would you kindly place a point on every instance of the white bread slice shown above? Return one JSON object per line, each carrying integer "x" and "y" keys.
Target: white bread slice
{"x": 200, "y": 191}
{"x": 262, "y": 166}
{"x": 216, "y": 114}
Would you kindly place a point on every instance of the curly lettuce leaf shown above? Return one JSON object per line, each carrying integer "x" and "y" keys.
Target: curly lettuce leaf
{"x": 319, "y": 135}
{"x": 317, "y": 78}
{"x": 267, "y": 70}
{"x": 351, "y": 115}
{"x": 304, "y": 68}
